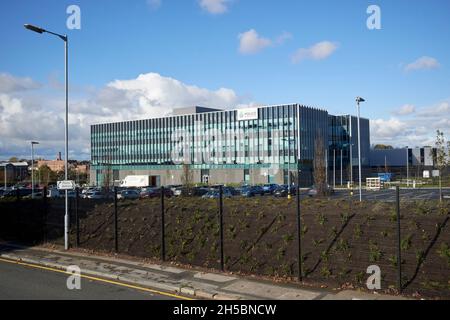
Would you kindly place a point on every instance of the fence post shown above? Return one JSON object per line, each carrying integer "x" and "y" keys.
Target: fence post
{"x": 77, "y": 217}
{"x": 299, "y": 234}
{"x": 44, "y": 216}
{"x": 163, "y": 227}
{"x": 222, "y": 262}
{"x": 116, "y": 231}
{"x": 399, "y": 241}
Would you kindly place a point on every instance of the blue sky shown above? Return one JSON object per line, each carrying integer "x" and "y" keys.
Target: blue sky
{"x": 198, "y": 43}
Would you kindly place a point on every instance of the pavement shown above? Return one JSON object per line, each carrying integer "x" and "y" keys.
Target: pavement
{"x": 163, "y": 281}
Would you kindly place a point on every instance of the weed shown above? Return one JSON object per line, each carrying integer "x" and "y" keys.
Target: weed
{"x": 345, "y": 217}
{"x": 405, "y": 244}
{"x": 321, "y": 219}
{"x": 420, "y": 256}
{"x": 357, "y": 231}
{"x": 374, "y": 252}
{"x": 342, "y": 245}
{"x": 317, "y": 242}
{"x": 325, "y": 272}
{"x": 393, "y": 260}
{"x": 444, "y": 252}
{"x": 287, "y": 238}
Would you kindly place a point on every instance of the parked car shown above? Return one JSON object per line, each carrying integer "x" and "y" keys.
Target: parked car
{"x": 14, "y": 192}
{"x": 192, "y": 192}
{"x": 215, "y": 194}
{"x": 155, "y": 193}
{"x": 269, "y": 188}
{"x": 284, "y": 190}
{"x": 252, "y": 191}
{"x": 95, "y": 195}
{"x": 35, "y": 195}
{"x": 128, "y": 195}
{"x": 312, "y": 192}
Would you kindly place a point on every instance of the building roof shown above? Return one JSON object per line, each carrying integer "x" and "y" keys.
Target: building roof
{"x": 14, "y": 164}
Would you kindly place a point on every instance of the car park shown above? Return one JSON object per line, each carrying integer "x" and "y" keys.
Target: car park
{"x": 128, "y": 195}
{"x": 270, "y": 188}
{"x": 312, "y": 192}
{"x": 284, "y": 190}
{"x": 215, "y": 194}
{"x": 95, "y": 195}
{"x": 252, "y": 191}
{"x": 155, "y": 193}
{"x": 35, "y": 195}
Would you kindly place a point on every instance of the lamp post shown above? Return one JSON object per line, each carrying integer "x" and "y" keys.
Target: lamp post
{"x": 351, "y": 152}
{"x": 32, "y": 167}
{"x": 358, "y": 101}
{"x": 66, "y": 133}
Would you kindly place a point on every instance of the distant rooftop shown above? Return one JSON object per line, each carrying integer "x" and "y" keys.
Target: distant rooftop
{"x": 15, "y": 164}
{"x": 193, "y": 110}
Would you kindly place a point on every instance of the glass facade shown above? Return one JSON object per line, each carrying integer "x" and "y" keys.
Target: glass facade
{"x": 208, "y": 140}
{"x": 263, "y": 138}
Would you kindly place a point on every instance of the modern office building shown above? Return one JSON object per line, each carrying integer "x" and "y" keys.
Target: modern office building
{"x": 254, "y": 146}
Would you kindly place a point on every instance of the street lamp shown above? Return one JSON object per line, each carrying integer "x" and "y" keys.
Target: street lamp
{"x": 32, "y": 167}
{"x": 66, "y": 133}
{"x": 358, "y": 101}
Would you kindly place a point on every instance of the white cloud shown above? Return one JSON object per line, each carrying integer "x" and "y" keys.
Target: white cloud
{"x": 214, "y": 6}
{"x": 405, "y": 110}
{"x": 285, "y": 36}
{"x": 319, "y": 51}
{"x": 391, "y": 128}
{"x": 22, "y": 118}
{"x": 250, "y": 42}
{"x": 154, "y": 4}
{"x": 9, "y": 83}
{"x": 423, "y": 63}
{"x": 442, "y": 109}
{"x": 419, "y": 129}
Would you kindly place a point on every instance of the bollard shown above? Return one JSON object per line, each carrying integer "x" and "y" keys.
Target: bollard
{"x": 116, "y": 231}
{"x": 399, "y": 241}
{"x": 163, "y": 227}
{"x": 222, "y": 262}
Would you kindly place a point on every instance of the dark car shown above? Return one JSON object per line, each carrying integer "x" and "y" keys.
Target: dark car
{"x": 284, "y": 190}
{"x": 155, "y": 193}
{"x": 17, "y": 192}
{"x": 269, "y": 188}
{"x": 252, "y": 191}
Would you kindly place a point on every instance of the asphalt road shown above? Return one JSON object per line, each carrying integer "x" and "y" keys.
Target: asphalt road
{"x": 19, "y": 282}
{"x": 390, "y": 195}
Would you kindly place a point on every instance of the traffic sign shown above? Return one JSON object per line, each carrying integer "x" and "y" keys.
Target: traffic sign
{"x": 66, "y": 185}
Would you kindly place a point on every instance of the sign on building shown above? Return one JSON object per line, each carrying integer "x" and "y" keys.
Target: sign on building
{"x": 66, "y": 185}
{"x": 426, "y": 174}
{"x": 247, "y": 114}
{"x": 435, "y": 173}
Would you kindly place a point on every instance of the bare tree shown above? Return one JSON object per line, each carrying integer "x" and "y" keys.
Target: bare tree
{"x": 107, "y": 175}
{"x": 441, "y": 158}
{"x": 319, "y": 166}
{"x": 187, "y": 179}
